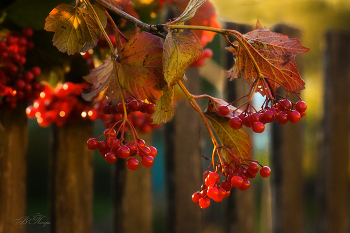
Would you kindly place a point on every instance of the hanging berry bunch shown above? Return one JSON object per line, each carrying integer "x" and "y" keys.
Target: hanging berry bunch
{"x": 17, "y": 83}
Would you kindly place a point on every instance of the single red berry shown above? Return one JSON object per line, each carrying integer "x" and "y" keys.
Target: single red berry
{"x": 92, "y": 143}
{"x": 300, "y": 106}
{"x": 132, "y": 163}
{"x": 226, "y": 185}
{"x": 284, "y": 104}
{"x": 237, "y": 181}
{"x": 133, "y": 148}
{"x": 153, "y": 151}
{"x": 221, "y": 193}
{"x": 207, "y": 53}
{"x": 223, "y": 110}
{"x": 258, "y": 127}
{"x": 147, "y": 161}
{"x": 254, "y": 117}
{"x": 246, "y": 122}
{"x": 269, "y": 116}
{"x": 111, "y": 142}
{"x": 245, "y": 185}
{"x": 253, "y": 168}
{"x": 204, "y": 202}
{"x": 213, "y": 177}
{"x": 27, "y": 32}
{"x": 294, "y": 116}
{"x": 235, "y": 123}
{"x": 265, "y": 171}
{"x": 133, "y": 105}
{"x": 103, "y": 147}
{"x": 282, "y": 118}
{"x": 212, "y": 192}
{"x": 111, "y": 157}
{"x": 145, "y": 151}
{"x": 123, "y": 152}
{"x": 149, "y": 109}
{"x": 109, "y": 133}
{"x": 196, "y": 196}
{"x": 36, "y": 71}
{"x": 302, "y": 114}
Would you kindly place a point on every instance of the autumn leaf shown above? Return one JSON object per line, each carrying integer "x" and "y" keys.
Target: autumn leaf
{"x": 164, "y": 110}
{"x": 120, "y": 4}
{"x": 179, "y": 51}
{"x": 205, "y": 16}
{"x": 75, "y": 28}
{"x": 275, "y": 55}
{"x": 139, "y": 66}
{"x": 235, "y": 139}
{"x": 190, "y": 11}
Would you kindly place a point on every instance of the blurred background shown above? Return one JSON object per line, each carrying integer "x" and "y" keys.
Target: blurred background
{"x": 309, "y": 159}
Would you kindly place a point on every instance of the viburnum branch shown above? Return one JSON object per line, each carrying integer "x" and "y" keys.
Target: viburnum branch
{"x": 115, "y": 29}
{"x": 87, "y": 2}
{"x": 120, "y": 90}
{"x": 193, "y": 102}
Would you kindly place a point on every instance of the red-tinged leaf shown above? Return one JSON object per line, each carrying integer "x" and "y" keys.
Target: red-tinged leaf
{"x": 215, "y": 103}
{"x": 120, "y": 4}
{"x": 275, "y": 55}
{"x": 179, "y": 51}
{"x": 205, "y": 16}
{"x": 190, "y": 11}
{"x": 75, "y": 28}
{"x": 235, "y": 139}
{"x": 164, "y": 109}
{"x": 139, "y": 67}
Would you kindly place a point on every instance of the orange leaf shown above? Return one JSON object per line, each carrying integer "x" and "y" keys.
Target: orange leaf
{"x": 139, "y": 67}
{"x": 274, "y": 53}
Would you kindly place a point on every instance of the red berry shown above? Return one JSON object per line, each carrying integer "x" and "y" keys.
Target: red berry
{"x": 302, "y": 114}
{"x": 282, "y": 118}
{"x": 223, "y": 110}
{"x": 196, "y": 196}
{"x": 269, "y": 116}
{"x": 294, "y": 116}
{"x": 133, "y": 105}
{"x": 258, "y": 127}
{"x": 221, "y": 193}
{"x": 284, "y": 104}
{"x": 133, "y": 148}
{"x": 149, "y": 109}
{"x": 265, "y": 171}
{"x": 27, "y": 32}
{"x": 237, "y": 181}
{"x": 207, "y": 53}
{"x": 254, "y": 117}
{"x": 300, "y": 106}
{"x": 30, "y": 111}
{"x": 153, "y": 151}
{"x": 123, "y": 152}
{"x": 204, "y": 202}
{"x": 212, "y": 192}
{"x": 253, "y": 168}
{"x": 213, "y": 177}
{"x": 92, "y": 143}
{"x": 111, "y": 157}
{"x": 245, "y": 185}
{"x": 36, "y": 71}
{"x": 235, "y": 123}
{"x": 132, "y": 163}
{"x": 103, "y": 147}
{"x": 226, "y": 185}
{"x": 147, "y": 161}
{"x": 145, "y": 151}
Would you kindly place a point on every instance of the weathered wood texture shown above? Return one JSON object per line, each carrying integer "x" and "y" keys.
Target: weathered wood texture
{"x": 333, "y": 186}
{"x": 240, "y": 210}
{"x": 13, "y": 167}
{"x": 184, "y": 163}
{"x": 287, "y": 169}
{"x": 71, "y": 179}
{"x": 132, "y": 196}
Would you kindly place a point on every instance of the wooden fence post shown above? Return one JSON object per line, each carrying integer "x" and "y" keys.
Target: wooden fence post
{"x": 71, "y": 179}
{"x": 333, "y": 174}
{"x": 184, "y": 163}
{"x": 286, "y": 158}
{"x": 240, "y": 211}
{"x": 132, "y": 196}
{"x": 13, "y": 168}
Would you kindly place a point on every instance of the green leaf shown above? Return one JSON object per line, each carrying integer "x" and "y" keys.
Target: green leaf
{"x": 164, "y": 110}
{"x": 237, "y": 140}
{"x": 179, "y": 51}
{"x": 75, "y": 29}
{"x": 190, "y": 11}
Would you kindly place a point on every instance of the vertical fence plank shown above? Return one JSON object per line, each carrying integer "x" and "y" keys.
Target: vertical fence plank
{"x": 13, "y": 150}
{"x": 287, "y": 174}
{"x": 71, "y": 179}
{"x": 132, "y": 196}
{"x": 240, "y": 210}
{"x": 333, "y": 186}
{"x": 184, "y": 163}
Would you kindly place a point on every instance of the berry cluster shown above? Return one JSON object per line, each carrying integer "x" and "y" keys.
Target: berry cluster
{"x": 282, "y": 112}
{"x": 207, "y": 54}
{"x": 17, "y": 84}
{"x": 112, "y": 148}
{"x": 238, "y": 178}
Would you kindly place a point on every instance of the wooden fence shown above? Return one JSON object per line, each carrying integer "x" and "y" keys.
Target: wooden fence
{"x": 278, "y": 204}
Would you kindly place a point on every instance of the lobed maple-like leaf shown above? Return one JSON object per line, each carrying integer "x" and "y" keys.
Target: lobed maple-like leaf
{"x": 237, "y": 140}
{"x": 275, "y": 55}
{"x": 75, "y": 28}
{"x": 190, "y": 11}
{"x": 139, "y": 67}
{"x": 120, "y": 4}
{"x": 164, "y": 109}
{"x": 179, "y": 51}
{"x": 205, "y": 16}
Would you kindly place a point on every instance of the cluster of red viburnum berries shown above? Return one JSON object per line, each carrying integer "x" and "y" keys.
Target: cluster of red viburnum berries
{"x": 17, "y": 83}
{"x": 214, "y": 188}
{"x": 282, "y": 112}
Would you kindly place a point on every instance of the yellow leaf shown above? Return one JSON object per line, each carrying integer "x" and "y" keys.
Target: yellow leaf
{"x": 164, "y": 109}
